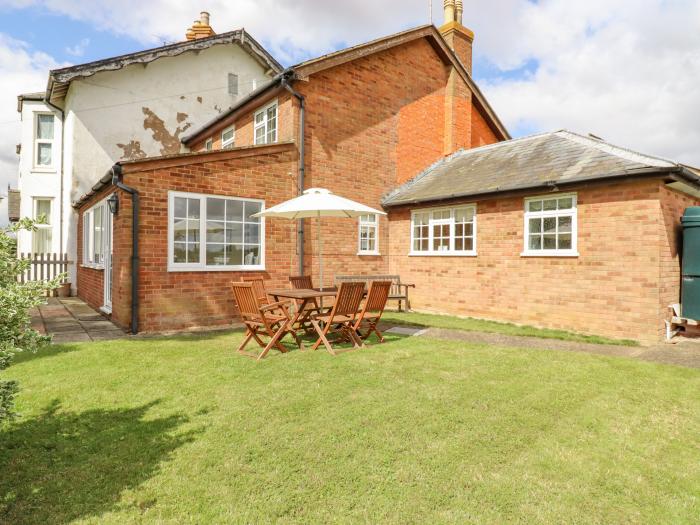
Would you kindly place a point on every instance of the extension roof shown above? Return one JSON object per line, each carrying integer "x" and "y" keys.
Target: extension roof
{"x": 548, "y": 160}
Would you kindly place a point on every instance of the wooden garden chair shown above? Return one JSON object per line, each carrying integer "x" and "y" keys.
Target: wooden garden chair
{"x": 373, "y": 309}
{"x": 304, "y": 282}
{"x": 341, "y": 318}
{"x": 268, "y": 320}
{"x": 258, "y": 287}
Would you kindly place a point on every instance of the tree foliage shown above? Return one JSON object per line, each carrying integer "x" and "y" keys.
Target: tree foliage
{"x": 16, "y": 300}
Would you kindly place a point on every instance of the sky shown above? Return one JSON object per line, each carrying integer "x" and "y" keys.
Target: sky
{"x": 625, "y": 70}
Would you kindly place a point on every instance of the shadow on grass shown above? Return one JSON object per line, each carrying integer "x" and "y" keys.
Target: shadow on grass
{"x": 62, "y": 466}
{"x": 46, "y": 351}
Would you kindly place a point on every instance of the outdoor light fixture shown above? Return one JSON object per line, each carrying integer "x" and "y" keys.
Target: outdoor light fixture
{"x": 113, "y": 203}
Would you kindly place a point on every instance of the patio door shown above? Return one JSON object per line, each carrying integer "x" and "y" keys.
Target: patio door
{"x": 107, "y": 221}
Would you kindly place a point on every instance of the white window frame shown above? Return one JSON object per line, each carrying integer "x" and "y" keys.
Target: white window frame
{"x": 35, "y": 136}
{"x": 571, "y": 212}
{"x": 201, "y": 266}
{"x": 48, "y": 225}
{"x": 264, "y": 123}
{"x": 225, "y": 144}
{"x": 89, "y": 234}
{"x": 362, "y": 223}
{"x": 451, "y": 252}
{"x": 209, "y": 144}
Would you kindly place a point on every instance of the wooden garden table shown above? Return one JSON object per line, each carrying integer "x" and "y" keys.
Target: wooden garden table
{"x": 306, "y": 297}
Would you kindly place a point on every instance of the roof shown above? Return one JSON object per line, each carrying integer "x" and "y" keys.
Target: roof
{"x": 547, "y": 160}
{"x": 13, "y": 205}
{"x": 304, "y": 69}
{"x": 37, "y": 95}
{"x": 60, "y": 79}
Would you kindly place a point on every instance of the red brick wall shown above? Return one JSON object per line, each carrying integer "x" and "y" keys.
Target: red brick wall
{"x": 673, "y": 203}
{"x": 481, "y": 133}
{"x": 187, "y": 299}
{"x": 612, "y": 288}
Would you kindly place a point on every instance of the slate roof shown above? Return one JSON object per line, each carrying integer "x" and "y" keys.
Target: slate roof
{"x": 537, "y": 161}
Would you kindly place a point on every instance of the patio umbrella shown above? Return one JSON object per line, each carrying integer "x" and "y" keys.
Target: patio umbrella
{"x": 318, "y": 202}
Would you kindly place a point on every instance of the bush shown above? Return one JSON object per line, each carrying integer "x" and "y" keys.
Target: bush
{"x": 16, "y": 299}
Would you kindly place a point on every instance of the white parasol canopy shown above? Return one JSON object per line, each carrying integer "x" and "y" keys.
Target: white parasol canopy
{"x": 318, "y": 202}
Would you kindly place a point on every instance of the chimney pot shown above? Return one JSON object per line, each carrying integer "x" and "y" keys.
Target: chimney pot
{"x": 204, "y": 17}
{"x": 449, "y": 11}
{"x": 459, "y": 9}
{"x": 200, "y": 28}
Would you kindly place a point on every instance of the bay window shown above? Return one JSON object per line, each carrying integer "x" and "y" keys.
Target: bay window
{"x": 208, "y": 232}
{"x": 265, "y": 124}
{"x": 444, "y": 231}
{"x": 550, "y": 226}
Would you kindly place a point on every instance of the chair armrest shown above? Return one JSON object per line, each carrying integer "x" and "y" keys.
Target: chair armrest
{"x": 274, "y": 306}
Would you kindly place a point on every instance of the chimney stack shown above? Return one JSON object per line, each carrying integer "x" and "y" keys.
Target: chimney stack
{"x": 200, "y": 28}
{"x": 458, "y": 37}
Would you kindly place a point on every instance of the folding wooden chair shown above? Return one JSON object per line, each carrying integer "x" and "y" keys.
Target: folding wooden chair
{"x": 341, "y": 318}
{"x": 271, "y": 320}
{"x": 301, "y": 282}
{"x": 373, "y": 309}
{"x": 304, "y": 282}
{"x": 258, "y": 287}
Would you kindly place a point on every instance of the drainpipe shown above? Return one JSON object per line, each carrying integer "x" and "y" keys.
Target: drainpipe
{"x": 302, "y": 161}
{"x": 60, "y": 203}
{"x": 117, "y": 181}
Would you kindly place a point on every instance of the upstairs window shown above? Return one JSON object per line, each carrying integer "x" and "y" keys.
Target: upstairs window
{"x": 444, "y": 231}
{"x": 550, "y": 226}
{"x": 266, "y": 124}
{"x": 210, "y": 232}
{"x": 209, "y": 145}
{"x": 228, "y": 136}
{"x": 44, "y": 140}
{"x": 42, "y": 237}
{"x": 368, "y": 238}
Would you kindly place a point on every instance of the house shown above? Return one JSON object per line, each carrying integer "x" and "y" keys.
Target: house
{"x": 121, "y": 108}
{"x": 523, "y": 230}
{"x": 373, "y": 116}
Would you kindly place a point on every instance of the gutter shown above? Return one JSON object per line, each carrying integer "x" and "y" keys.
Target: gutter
{"x": 117, "y": 178}
{"x": 555, "y": 185}
{"x": 284, "y": 82}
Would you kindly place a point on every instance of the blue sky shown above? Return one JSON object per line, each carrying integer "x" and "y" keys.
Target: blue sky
{"x": 625, "y": 70}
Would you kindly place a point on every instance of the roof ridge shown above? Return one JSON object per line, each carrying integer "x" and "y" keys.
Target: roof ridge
{"x": 619, "y": 151}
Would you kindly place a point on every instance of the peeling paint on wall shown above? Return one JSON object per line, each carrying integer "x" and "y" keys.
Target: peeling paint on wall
{"x": 170, "y": 142}
{"x": 199, "y": 99}
{"x": 181, "y": 117}
{"x": 132, "y": 150}
{"x": 218, "y": 108}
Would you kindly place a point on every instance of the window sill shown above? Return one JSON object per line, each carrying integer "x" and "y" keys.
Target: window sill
{"x": 370, "y": 254}
{"x": 442, "y": 254}
{"x": 550, "y": 254}
{"x": 43, "y": 170}
{"x": 182, "y": 269}
{"x": 93, "y": 266}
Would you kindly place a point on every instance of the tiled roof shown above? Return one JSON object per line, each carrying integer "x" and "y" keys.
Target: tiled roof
{"x": 549, "y": 159}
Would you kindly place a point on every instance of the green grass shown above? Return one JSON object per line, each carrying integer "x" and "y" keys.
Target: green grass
{"x": 470, "y": 324}
{"x": 182, "y": 430}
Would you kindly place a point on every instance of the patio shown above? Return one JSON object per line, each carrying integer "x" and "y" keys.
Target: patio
{"x": 71, "y": 320}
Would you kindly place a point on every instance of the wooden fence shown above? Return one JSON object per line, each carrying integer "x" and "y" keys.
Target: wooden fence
{"x": 44, "y": 266}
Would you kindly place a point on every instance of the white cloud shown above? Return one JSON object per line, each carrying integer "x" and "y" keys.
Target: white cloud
{"x": 78, "y": 49}
{"x": 22, "y": 70}
{"x": 628, "y": 72}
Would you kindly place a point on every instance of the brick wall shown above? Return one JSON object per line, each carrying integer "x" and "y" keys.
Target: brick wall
{"x": 612, "y": 288}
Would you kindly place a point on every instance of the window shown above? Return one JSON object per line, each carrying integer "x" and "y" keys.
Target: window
{"x": 215, "y": 233}
{"x": 41, "y": 238}
{"x": 209, "y": 145}
{"x": 444, "y": 231}
{"x": 44, "y": 140}
{"x": 232, "y": 84}
{"x": 227, "y": 138}
{"x": 550, "y": 226}
{"x": 266, "y": 124}
{"x": 94, "y": 236}
{"x": 368, "y": 238}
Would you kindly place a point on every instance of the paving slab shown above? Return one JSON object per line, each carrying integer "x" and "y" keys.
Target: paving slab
{"x": 97, "y": 326}
{"x": 107, "y": 335}
{"x": 92, "y": 317}
{"x": 70, "y": 337}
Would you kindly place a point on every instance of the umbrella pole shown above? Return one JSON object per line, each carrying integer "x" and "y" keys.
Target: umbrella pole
{"x": 320, "y": 251}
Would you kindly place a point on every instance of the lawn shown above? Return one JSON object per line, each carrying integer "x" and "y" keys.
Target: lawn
{"x": 470, "y": 324}
{"x": 182, "y": 430}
